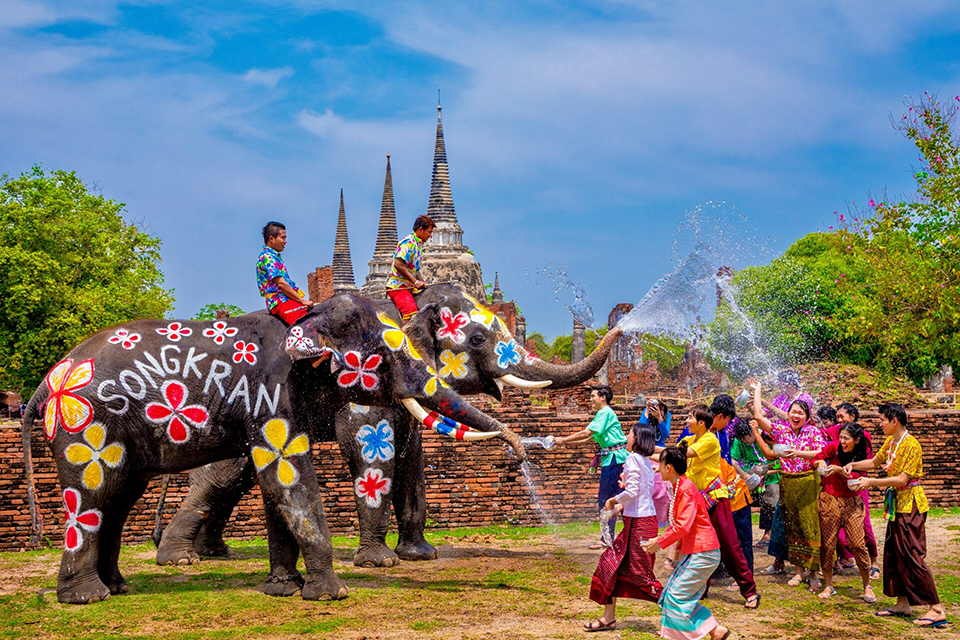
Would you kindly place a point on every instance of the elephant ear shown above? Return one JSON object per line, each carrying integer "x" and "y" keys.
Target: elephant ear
{"x": 420, "y": 330}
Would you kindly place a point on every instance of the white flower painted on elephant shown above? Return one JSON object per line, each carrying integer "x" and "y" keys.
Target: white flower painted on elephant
{"x": 174, "y": 331}
{"x": 93, "y": 455}
{"x": 78, "y": 521}
{"x": 220, "y": 332}
{"x": 276, "y": 432}
{"x": 372, "y": 486}
{"x": 376, "y": 443}
{"x": 124, "y": 338}
{"x": 454, "y": 364}
{"x": 296, "y": 340}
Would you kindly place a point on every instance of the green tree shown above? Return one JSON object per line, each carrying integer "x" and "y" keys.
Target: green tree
{"x": 69, "y": 265}
{"x": 209, "y": 312}
{"x": 541, "y": 345}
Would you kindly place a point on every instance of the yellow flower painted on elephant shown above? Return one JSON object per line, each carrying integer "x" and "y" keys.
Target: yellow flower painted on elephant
{"x": 95, "y": 455}
{"x": 276, "y": 433}
{"x": 487, "y": 318}
{"x": 454, "y": 364}
{"x": 432, "y": 384}
{"x": 395, "y": 338}
{"x": 65, "y": 408}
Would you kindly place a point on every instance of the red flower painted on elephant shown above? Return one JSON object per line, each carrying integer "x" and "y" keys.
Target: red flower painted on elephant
{"x": 364, "y": 373}
{"x": 78, "y": 521}
{"x": 245, "y": 352}
{"x": 64, "y": 407}
{"x": 452, "y": 325}
{"x": 220, "y": 332}
{"x": 174, "y": 331}
{"x": 124, "y": 338}
{"x": 372, "y": 486}
{"x": 177, "y": 417}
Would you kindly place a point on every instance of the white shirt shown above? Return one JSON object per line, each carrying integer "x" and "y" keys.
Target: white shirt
{"x": 637, "y": 494}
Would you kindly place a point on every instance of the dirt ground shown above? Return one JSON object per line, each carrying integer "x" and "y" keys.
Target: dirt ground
{"x": 495, "y": 584}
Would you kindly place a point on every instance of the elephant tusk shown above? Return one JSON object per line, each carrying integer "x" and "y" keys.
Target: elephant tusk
{"x": 514, "y": 381}
{"x": 443, "y": 425}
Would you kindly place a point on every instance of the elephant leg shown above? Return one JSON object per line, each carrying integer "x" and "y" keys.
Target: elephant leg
{"x": 287, "y": 478}
{"x": 209, "y": 541}
{"x": 410, "y": 494}
{"x": 284, "y": 579}
{"x": 370, "y": 449}
{"x": 79, "y": 580}
{"x": 114, "y": 516}
{"x": 207, "y": 485}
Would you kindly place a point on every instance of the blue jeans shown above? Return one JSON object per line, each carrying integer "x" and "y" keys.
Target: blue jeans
{"x": 609, "y": 487}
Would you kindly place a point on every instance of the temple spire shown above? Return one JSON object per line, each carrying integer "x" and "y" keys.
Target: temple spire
{"x": 497, "y": 295}
{"x": 343, "y": 281}
{"x": 440, "y": 205}
{"x": 386, "y": 246}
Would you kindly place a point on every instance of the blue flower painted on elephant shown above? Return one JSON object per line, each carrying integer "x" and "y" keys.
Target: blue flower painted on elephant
{"x": 507, "y": 353}
{"x": 376, "y": 442}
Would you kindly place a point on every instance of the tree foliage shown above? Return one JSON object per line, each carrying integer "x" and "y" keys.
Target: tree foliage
{"x": 561, "y": 345}
{"x": 209, "y": 312}
{"x": 69, "y": 266}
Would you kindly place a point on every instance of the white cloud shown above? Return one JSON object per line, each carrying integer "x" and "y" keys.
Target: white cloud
{"x": 267, "y": 77}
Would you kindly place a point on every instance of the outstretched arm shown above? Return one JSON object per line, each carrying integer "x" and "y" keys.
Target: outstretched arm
{"x": 762, "y": 444}
{"x": 761, "y": 419}
{"x": 575, "y": 438}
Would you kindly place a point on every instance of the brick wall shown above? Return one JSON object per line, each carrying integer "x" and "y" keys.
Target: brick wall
{"x": 467, "y": 485}
{"x": 320, "y": 284}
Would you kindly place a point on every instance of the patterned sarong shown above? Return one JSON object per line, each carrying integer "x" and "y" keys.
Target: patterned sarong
{"x": 625, "y": 570}
{"x": 682, "y": 616}
{"x": 799, "y": 495}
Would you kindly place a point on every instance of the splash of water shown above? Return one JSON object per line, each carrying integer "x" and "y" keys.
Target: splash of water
{"x": 569, "y": 293}
{"x": 546, "y": 442}
{"x": 528, "y": 470}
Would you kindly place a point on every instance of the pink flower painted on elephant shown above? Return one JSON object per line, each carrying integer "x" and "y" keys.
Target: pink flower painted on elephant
{"x": 372, "y": 486}
{"x": 362, "y": 373}
{"x": 220, "y": 332}
{"x": 65, "y": 408}
{"x": 245, "y": 352}
{"x": 124, "y": 338}
{"x": 452, "y": 325}
{"x": 172, "y": 411}
{"x": 78, "y": 521}
{"x": 174, "y": 331}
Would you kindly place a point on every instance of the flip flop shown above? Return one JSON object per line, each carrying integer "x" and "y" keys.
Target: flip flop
{"x": 934, "y": 624}
{"x": 890, "y": 613}
{"x": 874, "y": 573}
{"x": 610, "y": 626}
{"x": 597, "y": 545}
{"x": 746, "y": 605}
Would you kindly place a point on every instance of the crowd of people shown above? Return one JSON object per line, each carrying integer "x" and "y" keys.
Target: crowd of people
{"x": 808, "y": 473}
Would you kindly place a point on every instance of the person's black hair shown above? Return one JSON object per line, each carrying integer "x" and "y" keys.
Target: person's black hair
{"x": 742, "y": 429}
{"x": 803, "y": 405}
{"x": 644, "y": 439}
{"x": 724, "y": 405}
{"x": 676, "y": 457}
{"x": 604, "y": 392}
{"x": 850, "y": 409}
{"x": 701, "y": 413}
{"x": 827, "y": 415}
{"x": 893, "y": 411}
{"x": 423, "y": 222}
{"x": 859, "y": 449}
{"x": 272, "y": 229}
{"x": 789, "y": 376}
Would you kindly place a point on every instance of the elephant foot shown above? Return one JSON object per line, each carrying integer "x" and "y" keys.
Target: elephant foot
{"x": 416, "y": 550}
{"x": 83, "y": 592}
{"x": 377, "y": 555}
{"x": 117, "y": 585}
{"x": 282, "y": 586}
{"x": 216, "y": 548}
{"x": 173, "y": 554}
{"x": 324, "y": 587}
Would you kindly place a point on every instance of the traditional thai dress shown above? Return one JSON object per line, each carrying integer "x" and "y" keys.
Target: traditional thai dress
{"x": 683, "y": 617}
{"x": 833, "y": 435}
{"x": 607, "y": 432}
{"x": 799, "y": 495}
{"x": 905, "y": 570}
{"x": 703, "y": 469}
{"x": 840, "y": 507}
{"x": 768, "y": 493}
{"x": 783, "y": 403}
{"x": 625, "y": 570}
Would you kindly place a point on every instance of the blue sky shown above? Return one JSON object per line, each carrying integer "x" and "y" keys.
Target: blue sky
{"x": 577, "y": 133}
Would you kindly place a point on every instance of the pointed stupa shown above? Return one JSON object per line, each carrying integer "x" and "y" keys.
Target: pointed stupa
{"x": 343, "y": 281}
{"x": 497, "y": 295}
{"x": 386, "y": 246}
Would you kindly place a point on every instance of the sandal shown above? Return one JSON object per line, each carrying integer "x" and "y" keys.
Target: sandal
{"x": 869, "y": 599}
{"x": 756, "y": 602}
{"x": 600, "y": 625}
{"x": 669, "y": 565}
{"x": 772, "y": 570}
{"x": 823, "y": 595}
{"x": 891, "y": 613}
{"x": 597, "y": 545}
{"x": 795, "y": 581}
{"x": 874, "y": 573}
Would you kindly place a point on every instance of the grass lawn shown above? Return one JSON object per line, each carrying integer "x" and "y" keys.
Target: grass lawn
{"x": 494, "y": 582}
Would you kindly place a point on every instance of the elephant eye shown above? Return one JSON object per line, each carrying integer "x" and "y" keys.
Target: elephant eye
{"x": 477, "y": 339}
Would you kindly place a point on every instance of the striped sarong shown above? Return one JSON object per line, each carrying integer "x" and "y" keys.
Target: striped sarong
{"x": 625, "y": 570}
{"x": 682, "y": 616}
{"x": 799, "y": 497}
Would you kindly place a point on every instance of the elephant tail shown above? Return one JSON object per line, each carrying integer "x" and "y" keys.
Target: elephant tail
{"x": 30, "y": 414}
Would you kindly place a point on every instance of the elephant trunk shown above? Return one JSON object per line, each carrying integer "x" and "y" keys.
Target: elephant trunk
{"x": 570, "y": 375}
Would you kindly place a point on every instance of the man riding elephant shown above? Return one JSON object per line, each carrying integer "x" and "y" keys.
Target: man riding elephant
{"x": 154, "y": 397}
{"x": 471, "y": 351}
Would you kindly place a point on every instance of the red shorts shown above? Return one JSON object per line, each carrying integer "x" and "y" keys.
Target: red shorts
{"x": 404, "y": 302}
{"x": 289, "y": 311}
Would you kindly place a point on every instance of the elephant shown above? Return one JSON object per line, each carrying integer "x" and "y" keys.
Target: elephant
{"x": 471, "y": 350}
{"x": 153, "y": 397}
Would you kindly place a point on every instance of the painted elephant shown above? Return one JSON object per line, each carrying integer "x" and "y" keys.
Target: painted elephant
{"x": 471, "y": 350}
{"x": 155, "y": 397}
